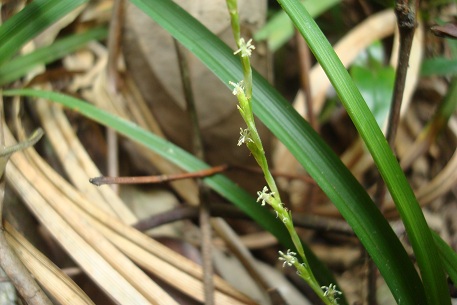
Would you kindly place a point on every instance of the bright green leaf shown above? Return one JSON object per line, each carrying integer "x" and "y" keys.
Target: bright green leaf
{"x": 400, "y": 190}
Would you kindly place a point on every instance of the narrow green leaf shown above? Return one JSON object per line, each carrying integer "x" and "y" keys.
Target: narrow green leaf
{"x": 219, "y": 183}
{"x": 448, "y": 256}
{"x": 32, "y": 20}
{"x": 309, "y": 149}
{"x": 411, "y": 214}
{"x": 19, "y": 66}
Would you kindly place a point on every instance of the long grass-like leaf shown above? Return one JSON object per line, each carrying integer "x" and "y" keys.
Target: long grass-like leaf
{"x": 322, "y": 164}
{"x": 19, "y": 66}
{"x": 32, "y": 20}
{"x": 411, "y": 214}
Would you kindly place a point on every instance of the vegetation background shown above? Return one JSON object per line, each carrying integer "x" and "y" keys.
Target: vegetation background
{"x": 145, "y": 92}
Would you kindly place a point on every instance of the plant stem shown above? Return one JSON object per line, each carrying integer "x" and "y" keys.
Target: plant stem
{"x": 270, "y": 194}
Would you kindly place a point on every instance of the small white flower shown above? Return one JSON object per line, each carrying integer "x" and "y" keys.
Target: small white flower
{"x": 244, "y": 137}
{"x": 238, "y": 88}
{"x": 245, "y": 48}
{"x": 331, "y": 293}
{"x": 264, "y": 195}
{"x": 288, "y": 258}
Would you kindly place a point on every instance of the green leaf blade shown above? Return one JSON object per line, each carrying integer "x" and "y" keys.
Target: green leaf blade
{"x": 32, "y": 20}
{"x": 18, "y": 67}
{"x": 349, "y": 197}
{"x": 411, "y": 214}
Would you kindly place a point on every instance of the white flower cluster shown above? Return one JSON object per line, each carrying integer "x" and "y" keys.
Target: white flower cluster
{"x": 264, "y": 195}
{"x": 331, "y": 293}
{"x": 244, "y": 137}
{"x": 288, "y": 258}
{"x": 245, "y": 48}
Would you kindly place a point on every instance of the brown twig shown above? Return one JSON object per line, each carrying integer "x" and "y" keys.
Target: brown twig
{"x": 406, "y": 17}
{"x": 159, "y": 178}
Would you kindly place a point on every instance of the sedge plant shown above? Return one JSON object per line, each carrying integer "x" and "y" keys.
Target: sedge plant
{"x": 270, "y": 194}
{"x": 314, "y": 155}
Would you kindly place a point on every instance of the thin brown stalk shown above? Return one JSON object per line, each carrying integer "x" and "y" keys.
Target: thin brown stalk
{"x": 113, "y": 82}
{"x": 406, "y": 18}
{"x": 197, "y": 142}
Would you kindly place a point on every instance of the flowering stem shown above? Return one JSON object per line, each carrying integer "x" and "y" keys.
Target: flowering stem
{"x": 270, "y": 194}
